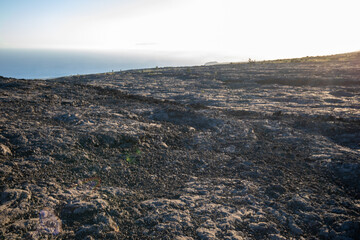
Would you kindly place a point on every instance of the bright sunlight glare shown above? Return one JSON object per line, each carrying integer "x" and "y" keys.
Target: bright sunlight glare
{"x": 226, "y": 29}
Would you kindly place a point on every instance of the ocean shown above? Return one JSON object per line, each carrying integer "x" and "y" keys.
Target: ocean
{"x": 43, "y": 64}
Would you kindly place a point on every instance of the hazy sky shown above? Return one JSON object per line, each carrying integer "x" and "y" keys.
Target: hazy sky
{"x": 224, "y": 29}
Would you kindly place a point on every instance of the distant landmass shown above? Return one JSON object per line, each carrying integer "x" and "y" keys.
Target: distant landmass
{"x": 211, "y": 63}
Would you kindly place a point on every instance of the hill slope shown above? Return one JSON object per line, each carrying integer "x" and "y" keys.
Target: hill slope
{"x": 239, "y": 151}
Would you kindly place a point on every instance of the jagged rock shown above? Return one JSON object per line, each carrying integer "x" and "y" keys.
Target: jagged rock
{"x": 206, "y": 233}
{"x": 276, "y": 237}
{"x": 265, "y": 227}
{"x": 295, "y": 229}
{"x": 11, "y": 195}
{"x": 4, "y": 150}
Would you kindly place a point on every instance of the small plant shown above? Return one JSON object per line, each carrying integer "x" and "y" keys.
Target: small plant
{"x": 131, "y": 157}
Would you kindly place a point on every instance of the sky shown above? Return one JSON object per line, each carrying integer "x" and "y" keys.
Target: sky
{"x": 224, "y": 30}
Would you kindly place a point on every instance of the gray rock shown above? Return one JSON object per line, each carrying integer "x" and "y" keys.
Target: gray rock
{"x": 275, "y": 191}
{"x": 276, "y": 237}
{"x": 264, "y": 227}
{"x": 299, "y": 203}
{"x": 88, "y": 230}
{"x": 4, "y": 150}
{"x": 67, "y": 118}
{"x": 183, "y": 238}
{"x": 108, "y": 222}
{"x": 295, "y": 229}
{"x": 81, "y": 210}
{"x": 206, "y": 233}
{"x": 11, "y": 195}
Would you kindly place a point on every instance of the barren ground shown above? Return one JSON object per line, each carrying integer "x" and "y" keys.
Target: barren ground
{"x": 239, "y": 151}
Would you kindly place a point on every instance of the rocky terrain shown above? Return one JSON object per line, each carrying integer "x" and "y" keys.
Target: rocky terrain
{"x": 265, "y": 150}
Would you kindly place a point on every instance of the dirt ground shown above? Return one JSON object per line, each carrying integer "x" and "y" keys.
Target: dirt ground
{"x": 266, "y": 150}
